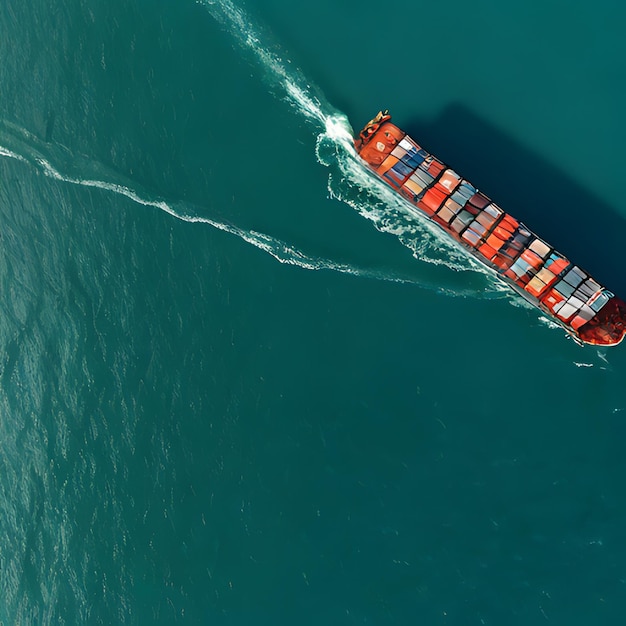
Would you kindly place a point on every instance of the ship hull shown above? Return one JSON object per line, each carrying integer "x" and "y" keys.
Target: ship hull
{"x": 564, "y": 292}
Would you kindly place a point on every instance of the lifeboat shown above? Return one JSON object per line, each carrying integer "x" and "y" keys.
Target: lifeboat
{"x": 586, "y": 310}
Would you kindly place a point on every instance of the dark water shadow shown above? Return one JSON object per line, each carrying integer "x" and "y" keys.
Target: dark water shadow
{"x": 549, "y": 201}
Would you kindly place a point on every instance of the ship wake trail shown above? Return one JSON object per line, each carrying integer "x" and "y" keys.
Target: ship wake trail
{"x": 19, "y": 145}
{"x": 305, "y": 97}
{"x": 349, "y": 181}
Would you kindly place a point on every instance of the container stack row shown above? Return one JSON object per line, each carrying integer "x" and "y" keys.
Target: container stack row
{"x": 497, "y": 238}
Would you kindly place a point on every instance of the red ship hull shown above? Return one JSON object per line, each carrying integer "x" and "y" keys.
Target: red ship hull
{"x": 534, "y": 269}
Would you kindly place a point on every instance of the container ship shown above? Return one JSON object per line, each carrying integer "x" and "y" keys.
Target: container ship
{"x": 586, "y": 310}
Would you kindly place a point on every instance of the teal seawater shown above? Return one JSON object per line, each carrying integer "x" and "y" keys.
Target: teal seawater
{"x": 238, "y": 384}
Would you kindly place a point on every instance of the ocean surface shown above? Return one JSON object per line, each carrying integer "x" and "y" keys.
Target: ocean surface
{"x": 239, "y": 384}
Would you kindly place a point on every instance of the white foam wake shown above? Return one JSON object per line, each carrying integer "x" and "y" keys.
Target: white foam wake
{"x": 27, "y": 149}
{"x": 304, "y": 96}
{"x": 349, "y": 181}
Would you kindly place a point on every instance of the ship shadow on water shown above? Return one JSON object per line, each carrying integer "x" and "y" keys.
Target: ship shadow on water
{"x": 550, "y": 202}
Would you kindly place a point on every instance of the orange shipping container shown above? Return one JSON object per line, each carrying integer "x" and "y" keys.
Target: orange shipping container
{"x": 487, "y": 251}
{"x": 387, "y": 164}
